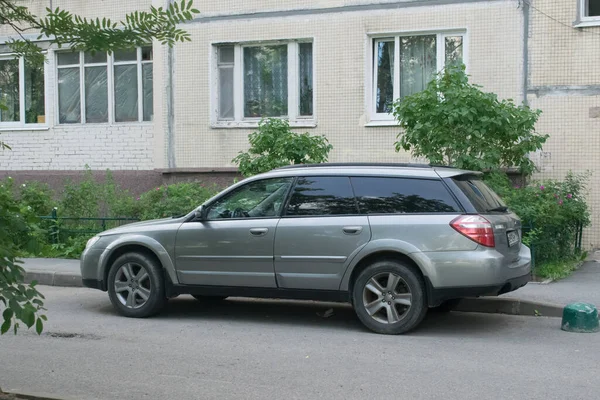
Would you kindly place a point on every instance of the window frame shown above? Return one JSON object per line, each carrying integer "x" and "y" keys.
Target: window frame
{"x": 293, "y": 80}
{"x": 583, "y": 20}
{"x": 110, "y": 78}
{"x": 236, "y": 189}
{"x": 387, "y": 119}
{"x": 451, "y": 194}
{"x": 21, "y": 124}
{"x": 290, "y": 194}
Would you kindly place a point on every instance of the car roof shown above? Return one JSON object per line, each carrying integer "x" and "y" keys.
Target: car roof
{"x": 369, "y": 169}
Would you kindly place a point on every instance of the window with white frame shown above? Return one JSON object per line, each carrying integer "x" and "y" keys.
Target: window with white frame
{"x": 266, "y": 80}
{"x": 589, "y": 12}
{"x": 405, "y": 64}
{"x": 105, "y": 88}
{"x": 22, "y": 94}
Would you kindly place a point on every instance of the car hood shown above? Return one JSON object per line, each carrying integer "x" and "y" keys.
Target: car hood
{"x": 140, "y": 226}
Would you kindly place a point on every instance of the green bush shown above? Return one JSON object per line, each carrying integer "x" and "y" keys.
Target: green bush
{"x": 275, "y": 145}
{"x": 454, "y": 122}
{"x": 38, "y": 196}
{"x": 552, "y": 213}
{"x": 172, "y": 200}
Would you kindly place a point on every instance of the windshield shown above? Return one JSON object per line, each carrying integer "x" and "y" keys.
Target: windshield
{"x": 481, "y": 196}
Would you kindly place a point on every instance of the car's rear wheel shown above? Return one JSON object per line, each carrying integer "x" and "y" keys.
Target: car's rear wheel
{"x": 136, "y": 287}
{"x": 207, "y": 299}
{"x": 389, "y": 297}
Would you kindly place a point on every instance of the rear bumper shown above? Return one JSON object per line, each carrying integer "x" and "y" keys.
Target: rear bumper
{"x": 438, "y": 296}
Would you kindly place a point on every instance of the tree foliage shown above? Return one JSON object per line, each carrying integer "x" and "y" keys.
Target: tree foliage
{"x": 275, "y": 145}
{"x": 58, "y": 28}
{"x": 454, "y": 122}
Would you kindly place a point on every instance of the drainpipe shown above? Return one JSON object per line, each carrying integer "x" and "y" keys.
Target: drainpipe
{"x": 525, "y": 5}
{"x": 170, "y": 106}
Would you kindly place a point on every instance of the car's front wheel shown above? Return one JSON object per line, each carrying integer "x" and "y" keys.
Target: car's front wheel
{"x": 389, "y": 297}
{"x": 136, "y": 286}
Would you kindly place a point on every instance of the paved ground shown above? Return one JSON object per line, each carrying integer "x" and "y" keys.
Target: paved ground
{"x": 582, "y": 285}
{"x": 282, "y": 350}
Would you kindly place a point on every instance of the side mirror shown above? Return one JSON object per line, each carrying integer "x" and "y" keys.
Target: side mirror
{"x": 200, "y": 214}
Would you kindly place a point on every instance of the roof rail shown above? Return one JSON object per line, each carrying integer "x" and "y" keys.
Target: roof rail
{"x": 396, "y": 165}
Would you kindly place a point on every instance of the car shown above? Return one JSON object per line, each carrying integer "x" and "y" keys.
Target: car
{"x": 394, "y": 240}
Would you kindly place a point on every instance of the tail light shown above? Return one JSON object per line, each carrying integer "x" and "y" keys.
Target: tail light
{"x": 476, "y": 228}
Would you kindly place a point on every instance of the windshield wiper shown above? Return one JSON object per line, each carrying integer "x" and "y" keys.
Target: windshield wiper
{"x": 498, "y": 209}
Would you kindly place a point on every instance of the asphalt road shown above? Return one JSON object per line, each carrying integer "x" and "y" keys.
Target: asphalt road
{"x": 248, "y": 349}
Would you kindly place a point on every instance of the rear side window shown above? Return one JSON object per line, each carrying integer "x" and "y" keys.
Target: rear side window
{"x": 402, "y": 196}
{"x": 322, "y": 195}
{"x": 479, "y": 194}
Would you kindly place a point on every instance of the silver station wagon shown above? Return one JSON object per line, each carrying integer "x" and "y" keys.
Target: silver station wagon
{"x": 391, "y": 239}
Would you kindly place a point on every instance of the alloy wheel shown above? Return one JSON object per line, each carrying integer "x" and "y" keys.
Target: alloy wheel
{"x": 387, "y": 298}
{"x": 132, "y": 285}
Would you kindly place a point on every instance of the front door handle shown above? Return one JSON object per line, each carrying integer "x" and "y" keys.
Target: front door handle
{"x": 259, "y": 231}
{"x": 352, "y": 230}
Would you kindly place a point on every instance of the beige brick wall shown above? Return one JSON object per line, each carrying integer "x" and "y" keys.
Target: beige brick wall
{"x": 340, "y": 40}
{"x": 561, "y": 55}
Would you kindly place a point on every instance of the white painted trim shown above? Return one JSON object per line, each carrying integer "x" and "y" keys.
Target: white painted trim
{"x": 21, "y": 124}
{"x": 378, "y": 119}
{"x": 250, "y": 124}
{"x": 387, "y": 122}
{"x": 28, "y": 127}
{"x": 140, "y": 90}
{"x": 240, "y": 121}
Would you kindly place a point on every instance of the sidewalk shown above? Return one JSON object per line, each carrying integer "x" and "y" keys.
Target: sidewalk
{"x": 533, "y": 299}
{"x": 582, "y": 286}
{"x": 52, "y": 271}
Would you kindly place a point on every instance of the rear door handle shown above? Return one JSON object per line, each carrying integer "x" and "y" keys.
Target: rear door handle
{"x": 259, "y": 231}
{"x": 352, "y": 230}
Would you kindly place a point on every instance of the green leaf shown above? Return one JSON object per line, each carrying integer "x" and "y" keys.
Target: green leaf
{"x": 5, "y": 326}
{"x": 39, "y": 326}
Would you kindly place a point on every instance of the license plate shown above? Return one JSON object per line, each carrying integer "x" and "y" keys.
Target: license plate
{"x": 513, "y": 238}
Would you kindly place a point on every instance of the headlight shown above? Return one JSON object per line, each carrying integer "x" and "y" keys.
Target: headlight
{"x": 91, "y": 242}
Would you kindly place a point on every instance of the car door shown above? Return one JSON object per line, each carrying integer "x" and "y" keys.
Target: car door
{"x": 318, "y": 234}
{"x": 233, "y": 244}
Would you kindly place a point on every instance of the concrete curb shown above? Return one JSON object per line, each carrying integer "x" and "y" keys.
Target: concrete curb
{"x": 511, "y": 306}
{"x": 48, "y": 278}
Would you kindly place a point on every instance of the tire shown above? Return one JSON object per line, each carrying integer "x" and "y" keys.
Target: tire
{"x": 147, "y": 282}
{"x": 407, "y": 298}
{"x": 208, "y": 299}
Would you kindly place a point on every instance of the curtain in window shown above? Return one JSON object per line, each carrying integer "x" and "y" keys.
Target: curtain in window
{"x": 9, "y": 90}
{"x": 69, "y": 105}
{"x": 418, "y": 63}
{"x": 147, "y": 82}
{"x": 96, "y": 94}
{"x": 126, "y": 93}
{"x": 34, "y": 93}
{"x": 265, "y": 81}
{"x": 306, "y": 79}
{"x": 385, "y": 76}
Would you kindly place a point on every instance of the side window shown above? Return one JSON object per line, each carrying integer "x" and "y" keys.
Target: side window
{"x": 319, "y": 195}
{"x": 258, "y": 199}
{"x": 402, "y": 196}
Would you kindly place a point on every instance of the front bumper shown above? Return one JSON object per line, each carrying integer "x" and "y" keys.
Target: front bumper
{"x": 89, "y": 264}
{"x": 438, "y": 296}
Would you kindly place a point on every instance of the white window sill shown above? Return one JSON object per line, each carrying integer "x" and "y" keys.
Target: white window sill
{"x": 586, "y": 23}
{"x": 102, "y": 124}
{"x": 302, "y": 123}
{"x": 24, "y": 128}
{"x": 390, "y": 122}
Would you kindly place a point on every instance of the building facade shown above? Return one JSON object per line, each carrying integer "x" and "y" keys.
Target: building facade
{"x": 331, "y": 67}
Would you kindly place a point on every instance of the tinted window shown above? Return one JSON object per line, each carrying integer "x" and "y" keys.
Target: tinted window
{"x": 314, "y": 195}
{"x": 478, "y": 193}
{"x": 258, "y": 199}
{"x": 402, "y": 196}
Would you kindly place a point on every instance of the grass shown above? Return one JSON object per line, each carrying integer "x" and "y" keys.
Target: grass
{"x": 559, "y": 269}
